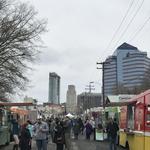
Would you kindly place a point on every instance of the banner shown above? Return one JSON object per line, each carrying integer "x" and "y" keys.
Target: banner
{"x": 99, "y": 135}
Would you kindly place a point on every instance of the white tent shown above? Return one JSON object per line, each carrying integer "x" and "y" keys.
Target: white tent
{"x": 69, "y": 115}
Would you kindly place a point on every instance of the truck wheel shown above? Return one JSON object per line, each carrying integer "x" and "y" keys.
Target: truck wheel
{"x": 7, "y": 143}
{"x": 127, "y": 146}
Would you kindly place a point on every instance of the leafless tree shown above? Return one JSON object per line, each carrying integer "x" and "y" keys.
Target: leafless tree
{"x": 20, "y": 39}
{"x": 121, "y": 89}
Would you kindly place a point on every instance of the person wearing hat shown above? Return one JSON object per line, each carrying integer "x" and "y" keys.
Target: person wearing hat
{"x": 40, "y": 133}
{"x": 67, "y": 127}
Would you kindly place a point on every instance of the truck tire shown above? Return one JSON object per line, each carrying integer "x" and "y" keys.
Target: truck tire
{"x": 7, "y": 143}
{"x": 127, "y": 146}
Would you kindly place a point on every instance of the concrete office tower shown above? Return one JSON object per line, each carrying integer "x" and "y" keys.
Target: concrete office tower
{"x": 88, "y": 100}
{"x": 71, "y": 105}
{"x": 54, "y": 88}
{"x": 126, "y": 67}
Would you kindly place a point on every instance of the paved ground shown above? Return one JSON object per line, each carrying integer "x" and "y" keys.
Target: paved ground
{"x": 83, "y": 144}
{"x": 80, "y": 144}
{"x": 51, "y": 146}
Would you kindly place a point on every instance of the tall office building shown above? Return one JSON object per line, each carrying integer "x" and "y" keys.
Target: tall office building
{"x": 54, "y": 88}
{"x": 71, "y": 104}
{"x": 125, "y": 67}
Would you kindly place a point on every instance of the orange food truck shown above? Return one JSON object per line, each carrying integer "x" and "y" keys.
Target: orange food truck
{"x": 135, "y": 122}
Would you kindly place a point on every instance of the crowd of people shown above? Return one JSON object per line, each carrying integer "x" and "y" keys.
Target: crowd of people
{"x": 60, "y": 130}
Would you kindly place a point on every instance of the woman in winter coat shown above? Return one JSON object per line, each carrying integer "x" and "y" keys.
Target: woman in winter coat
{"x": 25, "y": 138}
{"x": 59, "y": 135}
{"x": 89, "y": 129}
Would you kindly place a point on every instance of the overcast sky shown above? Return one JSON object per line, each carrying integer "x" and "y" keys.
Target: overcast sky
{"x": 79, "y": 32}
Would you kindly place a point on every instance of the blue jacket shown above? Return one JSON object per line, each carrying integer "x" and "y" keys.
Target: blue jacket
{"x": 15, "y": 127}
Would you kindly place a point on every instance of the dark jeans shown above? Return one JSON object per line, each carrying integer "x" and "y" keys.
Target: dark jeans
{"x": 25, "y": 146}
{"x": 60, "y": 146}
{"x": 94, "y": 134}
{"x": 41, "y": 144}
{"x": 16, "y": 147}
{"x": 112, "y": 143}
{"x": 52, "y": 135}
{"x": 76, "y": 136}
{"x": 88, "y": 136}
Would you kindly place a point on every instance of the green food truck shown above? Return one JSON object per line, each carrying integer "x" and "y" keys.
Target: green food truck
{"x": 4, "y": 126}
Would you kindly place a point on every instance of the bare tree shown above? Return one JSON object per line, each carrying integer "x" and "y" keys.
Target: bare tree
{"x": 120, "y": 89}
{"x": 20, "y": 39}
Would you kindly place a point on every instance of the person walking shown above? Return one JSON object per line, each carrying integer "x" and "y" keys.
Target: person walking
{"x": 25, "y": 138}
{"x": 112, "y": 129}
{"x": 92, "y": 122}
{"x": 40, "y": 133}
{"x": 15, "y": 133}
{"x": 59, "y": 136}
{"x": 67, "y": 126}
{"x": 76, "y": 128}
{"x": 88, "y": 129}
{"x": 52, "y": 127}
{"x": 30, "y": 127}
{"x": 81, "y": 125}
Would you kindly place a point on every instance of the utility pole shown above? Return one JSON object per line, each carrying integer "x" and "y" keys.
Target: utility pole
{"x": 87, "y": 96}
{"x": 90, "y": 87}
{"x": 103, "y": 84}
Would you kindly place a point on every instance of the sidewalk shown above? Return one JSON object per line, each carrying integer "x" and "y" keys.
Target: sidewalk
{"x": 83, "y": 144}
{"x": 80, "y": 144}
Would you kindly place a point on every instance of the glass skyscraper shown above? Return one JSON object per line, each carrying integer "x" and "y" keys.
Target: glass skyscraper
{"x": 54, "y": 88}
{"x": 125, "y": 67}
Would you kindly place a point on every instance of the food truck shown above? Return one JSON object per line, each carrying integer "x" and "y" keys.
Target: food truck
{"x": 4, "y": 126}
{"x": 112, "y": 109}
{"x": 135, "y": 122}
{"x": 7, "y": 111}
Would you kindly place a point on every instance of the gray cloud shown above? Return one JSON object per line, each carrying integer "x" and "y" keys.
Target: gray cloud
{"x": 79, "y": 32}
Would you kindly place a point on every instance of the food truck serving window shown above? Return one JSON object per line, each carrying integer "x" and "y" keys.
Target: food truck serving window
{"x": 148, "y": 116}
{"x": 148, "y": 109}
{"x": 130, "y": 120}
{"x": 3, "y": 120}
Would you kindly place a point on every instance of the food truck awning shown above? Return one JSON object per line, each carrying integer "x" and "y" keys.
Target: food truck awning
{"x": 19, "y": 111}
{"x": 123, "y": 103}
{"x": 119, "y": 100}
{"x": 15, "y": 104}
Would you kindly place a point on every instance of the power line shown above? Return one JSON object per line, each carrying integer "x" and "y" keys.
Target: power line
{"x": 122, "y": 21}
{"x": 132, "y": 19}
{"x": 140, "y": 29}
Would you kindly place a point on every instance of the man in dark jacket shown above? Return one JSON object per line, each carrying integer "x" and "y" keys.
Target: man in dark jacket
{"x": 59, "y": 136}
{"x": 25, "y": 138}
{"x": 112, "y": 129}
